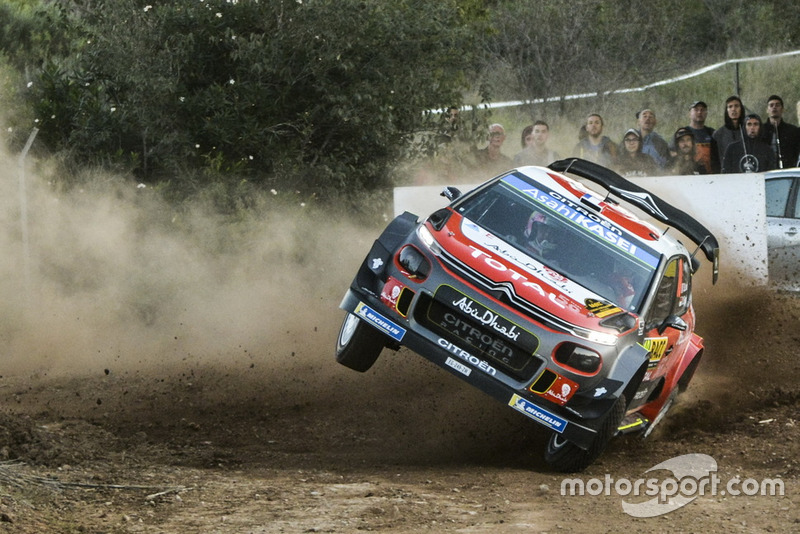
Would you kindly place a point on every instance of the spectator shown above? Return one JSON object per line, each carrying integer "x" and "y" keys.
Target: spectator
{"x": 534, "y": 146}
{"x": 526, "y": 140}
{"x": 491, "y": 158}
{"x": 751, "y": 154}
{"x": 685, "y": 161}
{"x": 783, "y": 138}
{"x": 652, "y": 143}
{"x": 705, "y": 146}
{"x": 731, "y": 131}
{"x": 631, "y": 161}
{"x": 451, "y": 123}
{"x": 595, "y": 146}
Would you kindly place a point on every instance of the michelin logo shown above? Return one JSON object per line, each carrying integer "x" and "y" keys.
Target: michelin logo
{"x": 537, "y": 414}
{"x": 380, "y": 322}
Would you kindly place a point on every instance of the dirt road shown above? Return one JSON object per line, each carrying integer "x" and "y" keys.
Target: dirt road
{"x": 282, "y": 439}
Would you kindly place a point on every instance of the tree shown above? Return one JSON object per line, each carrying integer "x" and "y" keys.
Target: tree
{"x": 325, "y": 93}
{"x": 594, "y": 45}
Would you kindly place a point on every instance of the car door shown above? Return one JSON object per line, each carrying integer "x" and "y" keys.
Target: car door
{"x": 672, "y": 300}
{"x": 783, "y": 230}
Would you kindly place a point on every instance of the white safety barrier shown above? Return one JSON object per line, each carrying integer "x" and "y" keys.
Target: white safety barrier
{"x": 731, "y": 206}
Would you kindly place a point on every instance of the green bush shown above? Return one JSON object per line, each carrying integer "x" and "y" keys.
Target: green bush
{"x": 317, "y": 95}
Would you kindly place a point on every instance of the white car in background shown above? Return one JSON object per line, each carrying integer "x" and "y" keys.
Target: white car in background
{"x": 783, "y": 228}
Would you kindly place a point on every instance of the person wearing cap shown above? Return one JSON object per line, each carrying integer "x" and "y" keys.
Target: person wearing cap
{"x": 705, "y": 146}
{"x": 684, "y": 162}
{"x": 751, "y": 154}
{"x": 652, "y": 143}
{"x": 732, "y": 131}
{"x": 783, "y": 138}
{"x": 631, "y": 161}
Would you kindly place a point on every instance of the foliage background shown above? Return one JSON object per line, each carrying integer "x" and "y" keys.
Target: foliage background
{"x": 325, "y": 98}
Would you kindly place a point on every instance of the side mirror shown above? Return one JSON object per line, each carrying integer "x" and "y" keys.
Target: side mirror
{"x": 451, "y": 193}
{"x": 673, "y": 321}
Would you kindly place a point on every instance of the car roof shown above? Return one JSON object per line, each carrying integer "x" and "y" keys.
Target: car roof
{"x": 782, "y": 173}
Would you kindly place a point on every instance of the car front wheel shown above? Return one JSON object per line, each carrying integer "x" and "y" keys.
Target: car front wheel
{"x": 358, "y": 344}
{"x": 566, "y": 457}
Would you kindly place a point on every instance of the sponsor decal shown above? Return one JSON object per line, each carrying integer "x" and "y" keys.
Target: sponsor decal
{"x": 487, "y": 317}
{"x": 458, "y": 366}
{"x": 393, "y": 330}
{"x": 601, "y": 308}
{"x": 560, "y": 391}
{"x": 657, "y": 347}
{"x": 537, "y": 414}
{"x": 467, "y": 357}
{"x": 376, "y": 264}
{"x": 481, "y": 328}
{"x": 533, "y": 271}
{"x": 390, "y": 294}
{"x": 599, "y": 392}
{"x": 558, "y": 277}
{"x": 586, "y": 220}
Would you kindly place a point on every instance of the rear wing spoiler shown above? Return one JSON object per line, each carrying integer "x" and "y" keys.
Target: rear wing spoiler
{"x": 647, "y": 202}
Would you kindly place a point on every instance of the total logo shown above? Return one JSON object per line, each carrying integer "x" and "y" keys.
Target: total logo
{"x": 559, "y": 300}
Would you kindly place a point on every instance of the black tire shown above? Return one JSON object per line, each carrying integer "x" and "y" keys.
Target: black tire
{"x": 358, "y": 344}
{"x": 566, "y": 457}
{"x": 686, "y": 377}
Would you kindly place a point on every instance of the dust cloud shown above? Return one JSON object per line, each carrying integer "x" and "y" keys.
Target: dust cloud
{"x": 108, "y": 276}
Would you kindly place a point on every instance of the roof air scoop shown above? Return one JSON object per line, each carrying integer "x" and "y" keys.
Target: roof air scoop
{"x": 640, "y": 198}
{"x": 592, "y": 201}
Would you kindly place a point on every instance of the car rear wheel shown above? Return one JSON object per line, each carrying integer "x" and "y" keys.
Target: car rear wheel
{"x": 566, "y": 457}
{"x": 358, "y": 344}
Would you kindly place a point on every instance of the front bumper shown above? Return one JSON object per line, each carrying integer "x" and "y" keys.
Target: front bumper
{"x": 579, "y": 426}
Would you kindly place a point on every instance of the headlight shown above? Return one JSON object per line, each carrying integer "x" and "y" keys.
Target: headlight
{"x": 414, "y": 263}
{"x": 427, "y": 237}
{"x": 577, "y": 358}
{"x": 596, "y": 337}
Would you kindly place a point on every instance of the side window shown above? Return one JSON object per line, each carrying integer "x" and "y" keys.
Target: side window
{"x": 796, "y": 212}
{"x": 673, "y": 296}
{"x": 684, "y": 289}
{"x": 777, "y": 192}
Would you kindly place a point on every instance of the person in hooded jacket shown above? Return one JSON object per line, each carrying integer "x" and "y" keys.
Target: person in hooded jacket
{"x": 751, "y": 154}
{"x": 732, "y": 130}
{"x": 631, "y": 161}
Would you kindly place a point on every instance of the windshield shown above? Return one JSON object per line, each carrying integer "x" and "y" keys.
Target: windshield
{"x": 568, "y": 238}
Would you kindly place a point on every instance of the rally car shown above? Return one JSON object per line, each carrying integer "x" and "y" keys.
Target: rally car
{"x": 546, "y": 294}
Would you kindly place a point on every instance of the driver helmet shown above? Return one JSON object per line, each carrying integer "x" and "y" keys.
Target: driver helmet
{"x": 534, "y": 220}
{"x": 538, "y": 233}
